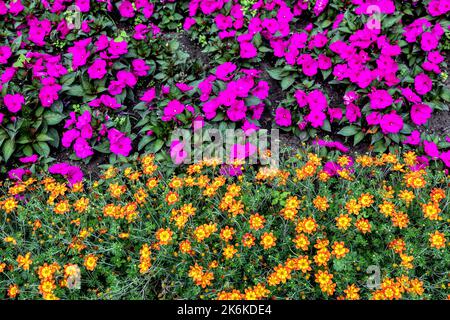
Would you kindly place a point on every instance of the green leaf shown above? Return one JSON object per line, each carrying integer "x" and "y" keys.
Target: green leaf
{"x": 53, "y": 118}
{"x": 156, "y": 146}
{"x": 8, "y": 149}
{"x": 275, "y": 73}
{"x": 446, "y": 94}
{"x": 358, "y": 137}
{"x": 287, "y": 82}
{"x": 348, "y": 131}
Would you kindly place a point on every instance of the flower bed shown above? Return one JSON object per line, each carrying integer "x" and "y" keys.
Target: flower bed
{"x": 368, "y": 227}
{"x": 93, "y": 79}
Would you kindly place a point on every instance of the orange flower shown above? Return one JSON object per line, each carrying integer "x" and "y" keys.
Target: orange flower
{"x": 164, "y": 236}
{"x": 363, "y": 225}
{"x": 90, "y": 262}
{"x": 437, "y": 240}
{"x": 256, "y": 221}
{"x": 301, "y": 242}
{"x": 248, "y": 240}
{"x": 229, "y": 251}
{"x": 13, "y": 291}
{"x": 321, "y": 203}
{"x": 226, "y": 234}
{"x": 172, "y": 198}
{"x": 24, "y": 261}
{"x": 339, "y": 249}
{"x": 268, "y": 240}
{"x": 343, "y": 222}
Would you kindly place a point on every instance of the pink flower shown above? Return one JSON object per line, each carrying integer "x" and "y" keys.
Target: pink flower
{"x": 117, "y": 48}
{"x": 445, "y": 157}
{"x": 320, "y": 6}
{"x": 317, "y": 100}
{"x": 14, "y": 102}
{"x": 119, "y": 143}
{"x": 177, "y": 152}
{"x": 413, "y": 139}
{"x": 5, "y": 53}
{"x": 429, "y": 41}
{"x": 431, "y": 149}
{"x": 126, "y": 9}
{"x": 237, "y": 111}
{"x": 79, "y": 56}
{"x": 380, "y": 99}
{"x": 72, "y": 173}
{"x": 30, "y": 159}
{"x": 15, "y": 7}
{"x": 391, "y": 123}
{"x": 149, "y": 95}
{"x": 83, "y": 5}
{"x": 302, "y": 98}
{"x": 249, "y": 128}
{"x": 335, "y": 113}
{"x": 410, "y": 95}
{"x": 98, "y": 69}
{"x": 248, "y": 50}
{"x": 316, "y": 118}
{"x": 127, "y": 78}
{"x": 420, "y": 113}
{"x": 373, "y": 118}
{"x": 49, "y": 94}
{"x": 173, "y": 108}
{"x": 184, "y": 87}
{"x": 17, "y": 174}
{"x": 423, "y": 84}
{"x": 261, "y": 91}
{"x": 224, "y": 70}
{"x": 69, "y": 137}
{"x": 283, "y": 117}
{"x": 188, "y": 23}
{"x": 352, "y": 112}
{"x": 140, "y": 67}
{"x": 82, "y": 148}
{"x": 241, "y": 152}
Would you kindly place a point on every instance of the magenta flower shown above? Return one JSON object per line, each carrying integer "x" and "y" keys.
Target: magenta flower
{"x": 224, "y": 70}
{"x": 177, "y": 152}
{"x": 5, "y": 54}
{"x": 431, "y": 149}
{"x": 82, "y": 148}
{"x": 119, "y": 143}
{"x": 420, "y": 113}
{"x": 423, "y": 84}
{"x": 98, "y": 69}
{"x": 72, "y": 173}
{"x": 316, "y": 118}
{"x": 149, "y": 95}
{"x": 380, "y": 99}
{"x": 391, "y": 123}
{"x": 173, "y": 108}
{"x": 242, "y": 151}
{"x": 237, "y": 111}
{"x": 413, "y": 139}
{"x": 117, "y": 48}
{"x": 14, "y": 102}
{"x": 30, "y": 159}
{"x": 445, "y": 157}
{"x": 18, "y": 173}
{"x": 140, "y": 67}
{"x": 283, "y": 117}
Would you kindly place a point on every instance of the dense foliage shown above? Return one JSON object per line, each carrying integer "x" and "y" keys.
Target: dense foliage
{"x": 86, "y": 78}
{"x": 312, "y": 229}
